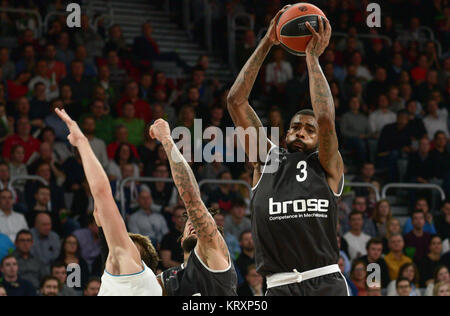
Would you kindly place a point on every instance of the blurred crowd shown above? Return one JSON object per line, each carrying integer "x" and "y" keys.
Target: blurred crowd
{"x": 392, "y": 97}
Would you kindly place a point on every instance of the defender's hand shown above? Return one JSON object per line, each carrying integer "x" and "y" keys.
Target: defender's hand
{"x": 160, "y": 130}
{"x": 271, "y": 34}
{"x": 76, "y": 137}
{"x": 320, "y": 40}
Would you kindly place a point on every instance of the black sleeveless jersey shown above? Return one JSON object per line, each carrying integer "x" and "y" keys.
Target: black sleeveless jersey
{"x": 198, "y": 279}
{"x": 294, "y": 215}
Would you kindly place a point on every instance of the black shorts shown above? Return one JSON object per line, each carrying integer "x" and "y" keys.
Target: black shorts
{"x": 333, "y": 284}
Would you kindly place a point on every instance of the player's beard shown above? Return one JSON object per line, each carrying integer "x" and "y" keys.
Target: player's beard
{"x": 189, "y": 243}
{"x": 304, "y": 148}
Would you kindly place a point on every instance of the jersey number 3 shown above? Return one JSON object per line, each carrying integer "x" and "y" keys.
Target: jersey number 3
{"x": 302, "y": 166}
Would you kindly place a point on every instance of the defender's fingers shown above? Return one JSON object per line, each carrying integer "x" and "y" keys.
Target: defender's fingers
{"x": 64, "y": 116}
{"x": 312, "y": 30}
{"x": 320, "y": 21}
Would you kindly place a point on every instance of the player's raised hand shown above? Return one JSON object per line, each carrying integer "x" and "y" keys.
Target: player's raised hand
{"x": 272, "y": 31}
{"x": 320, "y": 40}
{"x": 76, "y": 136}
{"x": 160, "y": 130}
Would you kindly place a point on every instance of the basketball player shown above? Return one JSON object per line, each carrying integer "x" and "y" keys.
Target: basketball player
{"x": 294, "y": 209}
{"x": 208, "y": 270}
{"x": 126, "y": 274}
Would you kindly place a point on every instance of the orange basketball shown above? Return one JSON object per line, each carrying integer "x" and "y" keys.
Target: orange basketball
{"x": 291, "y": 29}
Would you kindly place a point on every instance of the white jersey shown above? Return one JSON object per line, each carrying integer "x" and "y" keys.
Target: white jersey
{"x": 143, "y": 283}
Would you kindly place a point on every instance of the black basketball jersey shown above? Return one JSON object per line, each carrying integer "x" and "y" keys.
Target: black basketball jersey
{"x": 198, "y": 279}
{"x": 294, "y": 215}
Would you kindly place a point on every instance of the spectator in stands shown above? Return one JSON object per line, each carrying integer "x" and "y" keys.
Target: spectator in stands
{"x": 415, "y": 121}
{"x": 121, "y": 138}
{"x": 64, "y": 52}
{"x": 92, "y": 287}
{"x": 54, "y": 66}
{"x": 22, "y": 137}
{"x": 358, "y": 277}
{"x": 6, "y": 246}
{"x": 206, "y": 88}
{"x": 30, "y": 267}
{"x": 440, "y": 156}
{"x": 90, "y": 70}
{"x": 253, "y": 285}
{"x": 278, "y": 73}
{"x": 420, "y": 166}
{"x": 116, "y": 42}
{"x": 81, "y": 84}
{"x": 89, "y": 241}
{"x": 39, "y": 106}
{"x": 59, "y": 271}
{"x": 27, "y": 61}
{"x": 88, "y": 37}
{"x": 395, "y": 140}
{"x": 73, "y": 108}
{"x": 46, "y": 244}
{"x": 381, "y": 217}
{"x": 395, "y": 258}
{"x": 142, "y": 108}
{"x": 171, "y": 252}
{"x": 236, "y": 222}
{"x": 8, "y": 67}
{"x": 374, "y": 255}
{"x": 441, "y": 274}
{"x": 378, "y": 87}
{"x": 223, "y": 195}
{"x": 53, "y": 121}
{"x": 134, "y": 125}
{"x": 381, "y": 117}
{"x": 232, "y": 242}
{"x": 409, "y": 272}
{"x": 417, "y": 241}
{"x": 145, "y": 87}
{"x": 436, "y": 120}
{"x": 60, "y": 149}
{"x": 403, "y": 287}
{"x": 49, "y": 286}
{"x": 19, "y": 86}
{"x": 16, "y": 165}
{"x": 98, "y": 146}
{"x": 430, "y": 262}
{"x": 343, "y": 249}
{"x": 41, "y": 75}
{"x": 355, "y": 237}
{"x": 10, "y": 222}
{"x": 423, "y": 91}
{"x": 360, "y": 205}
{"x": 355, "y": 129}
{"x": 422, "y": 205}
{"x": 442, "y": 289}
{"x": 145, "y": 222}
{"x": 164, "y": 195}
{"x": 362, "y": 72}
{"x": 442, "y": 221}
{"x": 245, "y": 49}
{"x": 46, "y": 155}
{"x": 145, "y": 47}
{"x": 14, "y": 285}
{"x": 122, "y": 157}
{"x": 366, "y": 175}
{"x": 247, "y": 256}
{"x": 104, "y": 123}
{"x": 71, "y": 254}
{"x": 117, "y": 72}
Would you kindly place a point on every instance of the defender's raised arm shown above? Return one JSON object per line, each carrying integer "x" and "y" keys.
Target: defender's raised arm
{"x": 323, "y": 105}
{"x": 211, "y": 246}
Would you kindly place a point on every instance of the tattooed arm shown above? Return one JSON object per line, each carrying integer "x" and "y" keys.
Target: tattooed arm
{"x": 240, "y": 110}
{"x": 323, "y": 106}
{"x": 210, "y": 244}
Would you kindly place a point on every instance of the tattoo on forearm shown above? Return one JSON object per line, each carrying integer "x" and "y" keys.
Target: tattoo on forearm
{"x": 323, "y": 106}
{"x": 246, "y": 79}
{"x": 186, "y": 183}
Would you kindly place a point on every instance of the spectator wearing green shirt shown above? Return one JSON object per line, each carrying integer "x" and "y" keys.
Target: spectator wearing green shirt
{"x": 104, "y": 123}
{"x": 135, "y": 126}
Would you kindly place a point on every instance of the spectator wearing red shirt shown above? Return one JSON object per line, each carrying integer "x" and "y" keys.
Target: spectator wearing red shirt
{"x": 22, "y": 137}
{"x": 53, "y": 66}
{"x": 142, "y": 108}
{"x": 19, "y": 87}
{"x": 419, "y": 73}
{"x": 121, "y": 137}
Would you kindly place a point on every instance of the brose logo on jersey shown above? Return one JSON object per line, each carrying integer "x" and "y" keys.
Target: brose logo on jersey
{"x": 298, "y": 206}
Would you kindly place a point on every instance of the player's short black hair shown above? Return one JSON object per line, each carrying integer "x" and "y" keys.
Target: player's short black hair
{"x": 305, "y": 112}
